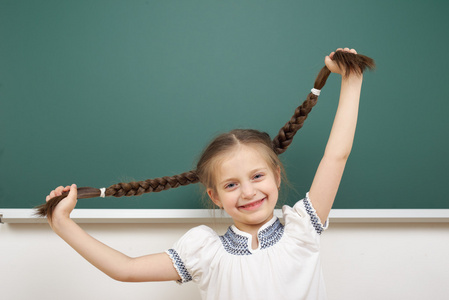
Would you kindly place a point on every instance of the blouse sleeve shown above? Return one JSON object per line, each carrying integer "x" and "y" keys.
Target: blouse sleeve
{"x": 302, "y": 222}
{"x": 192, "y": 253}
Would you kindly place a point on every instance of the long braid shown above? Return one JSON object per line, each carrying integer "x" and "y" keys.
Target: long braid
{"x": 151, "y": 185}
{"x": 135, "y": 188}
{"x": 288, "y": 131}
{"x": 350, "y": 62}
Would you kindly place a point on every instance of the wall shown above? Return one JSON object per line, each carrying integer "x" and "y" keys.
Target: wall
{"x": 361, "y": 261}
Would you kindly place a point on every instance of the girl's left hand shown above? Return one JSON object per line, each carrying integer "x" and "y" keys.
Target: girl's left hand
{"x": 331, "y": 65}
{"x": 65, "y": 207}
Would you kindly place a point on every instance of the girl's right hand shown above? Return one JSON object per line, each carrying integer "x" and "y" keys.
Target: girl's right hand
{"x": 334, "y": 67}
{"x": 66, "y": 206}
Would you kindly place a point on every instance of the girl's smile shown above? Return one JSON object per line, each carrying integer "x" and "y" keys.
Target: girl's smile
{"x": 253, "y": 205}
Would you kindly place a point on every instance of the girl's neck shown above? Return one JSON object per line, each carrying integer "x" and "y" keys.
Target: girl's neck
{"x": 253, "y": 230}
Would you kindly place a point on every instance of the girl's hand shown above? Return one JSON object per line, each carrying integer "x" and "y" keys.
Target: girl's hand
{"x": 65, "y": 207}
{"x": 331, "y": 65}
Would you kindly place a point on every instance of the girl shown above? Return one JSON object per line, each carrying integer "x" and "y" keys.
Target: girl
{"x": 258, "y": 257}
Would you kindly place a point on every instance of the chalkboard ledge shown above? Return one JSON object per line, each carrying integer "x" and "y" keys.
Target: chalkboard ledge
{"x": 208, "y": 216}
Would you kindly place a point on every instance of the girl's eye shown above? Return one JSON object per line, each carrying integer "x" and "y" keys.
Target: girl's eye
{"x": 229, "y": 185}
{"x": 258, "y": 176}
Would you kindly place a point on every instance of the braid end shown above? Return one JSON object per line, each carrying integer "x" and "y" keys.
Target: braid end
{"x": 47, "y": 209}
{"x": 353, "y": 63}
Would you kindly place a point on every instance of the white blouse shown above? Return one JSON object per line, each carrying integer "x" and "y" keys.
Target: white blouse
{"x": 286, "y": 265}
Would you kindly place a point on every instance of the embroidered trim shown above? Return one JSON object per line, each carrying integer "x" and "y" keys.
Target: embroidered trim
{"x": 238, "y": 245}
{"x": 313, "y": 216}
{"x": 271, "y": 235}
{"x": 179, "y": 266}
{"x": 234, "y": 243}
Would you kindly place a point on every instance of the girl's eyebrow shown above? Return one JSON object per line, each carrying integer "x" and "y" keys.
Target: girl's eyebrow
{"x": 264, "y": 169}
{"x": 258, "y": 170}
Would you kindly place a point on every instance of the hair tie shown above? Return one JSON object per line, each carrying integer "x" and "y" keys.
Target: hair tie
{"x": 102, "y": 190}
{"x": 316, "y": 92}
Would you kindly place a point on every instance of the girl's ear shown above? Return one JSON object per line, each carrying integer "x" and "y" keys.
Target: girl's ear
{"x": 213, "y": 196}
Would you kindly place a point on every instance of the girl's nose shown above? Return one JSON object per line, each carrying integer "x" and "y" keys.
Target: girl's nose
{"x": 248, "y": 191}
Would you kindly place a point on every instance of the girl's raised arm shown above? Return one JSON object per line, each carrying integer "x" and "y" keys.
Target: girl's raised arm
{"x": 155, "y": 267}
{"x": 330, "y": 170}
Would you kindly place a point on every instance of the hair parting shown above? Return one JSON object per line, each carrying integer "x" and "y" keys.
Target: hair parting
{"x": 351, "y": 63}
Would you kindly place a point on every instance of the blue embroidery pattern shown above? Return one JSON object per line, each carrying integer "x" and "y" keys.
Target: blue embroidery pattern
{"x": 234, "y": 243}
{"x": 313, "y": 217}
{"x": 271, "y": 235}
{"x": 238, "y": 245}
{"x": 179, "y": 265}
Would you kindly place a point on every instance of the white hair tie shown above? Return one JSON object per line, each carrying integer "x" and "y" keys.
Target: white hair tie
{"x": 316, "y": 92}
{"x": 102, "y": 190}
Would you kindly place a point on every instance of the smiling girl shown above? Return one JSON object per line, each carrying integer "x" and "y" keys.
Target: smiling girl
{"x": 258, "y": 257}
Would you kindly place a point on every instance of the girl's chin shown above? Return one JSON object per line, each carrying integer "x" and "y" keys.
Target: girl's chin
{"x": 251, "y": 223}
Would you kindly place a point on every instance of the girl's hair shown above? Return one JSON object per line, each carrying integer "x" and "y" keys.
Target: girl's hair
{"x": 348, "y": 61}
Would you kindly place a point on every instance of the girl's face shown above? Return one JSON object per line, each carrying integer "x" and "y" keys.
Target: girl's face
{"x": 246, "y": 188}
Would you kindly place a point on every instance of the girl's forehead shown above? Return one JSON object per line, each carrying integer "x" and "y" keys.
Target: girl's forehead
{"x": 242, "y": 158}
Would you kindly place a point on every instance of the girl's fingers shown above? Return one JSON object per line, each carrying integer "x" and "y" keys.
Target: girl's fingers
{"x": 332, "y": 65}
{"x": 58, "y": 190}
{"x": 347, "y": 50}
{"x": 51, "y": 195}
{"x": 331, "y": 56}
{"x": 73, "y": 190}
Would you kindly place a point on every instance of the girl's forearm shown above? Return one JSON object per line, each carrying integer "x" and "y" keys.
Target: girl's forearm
{"x": 342, "y": 134}
{"x": 111, "y": 262}
{"x": 330, "y": 170}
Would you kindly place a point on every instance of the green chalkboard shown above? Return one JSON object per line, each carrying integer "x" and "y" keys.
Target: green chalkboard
{"x": 97, "y": 92}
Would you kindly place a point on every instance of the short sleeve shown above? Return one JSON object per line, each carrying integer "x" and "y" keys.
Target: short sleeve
{"x": 192, "y": 253}
{"x": 302, "y": 222}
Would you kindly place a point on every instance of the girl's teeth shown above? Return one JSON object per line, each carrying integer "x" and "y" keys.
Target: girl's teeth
{"x": 252, "y": 204}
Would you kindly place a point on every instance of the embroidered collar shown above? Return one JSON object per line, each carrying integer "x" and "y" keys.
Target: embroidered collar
{"x": 238, "y": 242}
